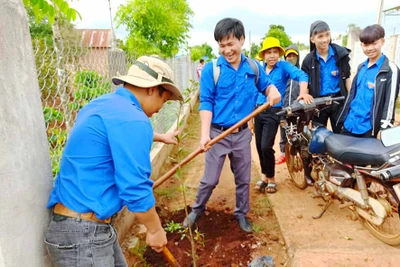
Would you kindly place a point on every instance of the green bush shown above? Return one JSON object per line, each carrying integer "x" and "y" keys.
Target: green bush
{"x": 51, "y": 114}
{"x": 57, "y": 137}
{"x": 55, "y": 156}
{"x": 89, "y": 85}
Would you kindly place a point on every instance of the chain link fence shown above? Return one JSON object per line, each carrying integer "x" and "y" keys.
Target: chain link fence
{"x": 72, "y": 75}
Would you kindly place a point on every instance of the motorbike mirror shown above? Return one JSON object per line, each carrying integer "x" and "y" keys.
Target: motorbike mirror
{"x": 390, "y": 136}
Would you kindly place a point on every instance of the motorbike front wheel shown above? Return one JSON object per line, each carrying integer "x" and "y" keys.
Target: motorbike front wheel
{"x": 389, "y": 231}
{"x": 295, "y": 167}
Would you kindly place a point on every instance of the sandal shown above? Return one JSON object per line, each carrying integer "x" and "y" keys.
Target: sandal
{"x": 280, "y": 160}
{"x": 260, "y": 186}
{"x": 271, "y": 188}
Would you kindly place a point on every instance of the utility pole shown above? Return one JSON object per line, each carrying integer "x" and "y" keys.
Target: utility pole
{"x": 114, "y": 38}
{"x": 249, "y": 55}
{"x": 380, "y": 9}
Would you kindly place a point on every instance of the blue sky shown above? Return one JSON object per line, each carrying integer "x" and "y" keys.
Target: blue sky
{"x": 256, "y": 15}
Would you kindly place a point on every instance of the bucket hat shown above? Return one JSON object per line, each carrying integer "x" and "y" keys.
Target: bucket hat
{"x": 149, "y": 71}
{"x": 271, "y": 42}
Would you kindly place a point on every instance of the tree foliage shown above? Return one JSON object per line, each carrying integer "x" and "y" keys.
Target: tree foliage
{"x": 278, "y": 31}
{"x": 202, "y": 51}
{"x": 155, "y": 26}
{"x": 302, "y": 46}
{"x": 48, "y": 9}
{"x": 350, "y": 27}
{"x": 254, "y": 49}
{"x": 42, "y": 29}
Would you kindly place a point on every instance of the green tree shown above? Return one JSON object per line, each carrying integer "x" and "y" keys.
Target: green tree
{"x": 49, "y": 9}
{"x": 302, "y": 46}
{"x": 201, "y": 51}
{"x": 155, "y": 26}
{"x": 350, "y": 27}
{"x": 254, "y": 49}
{"x": 278, "y": 31}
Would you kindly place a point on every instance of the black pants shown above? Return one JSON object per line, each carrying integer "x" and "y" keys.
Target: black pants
{"x": 265, "y": 128}
{"x": 364, "y": 135}
{"x": 283, "y": 141}
{"x": 332, "y": 112}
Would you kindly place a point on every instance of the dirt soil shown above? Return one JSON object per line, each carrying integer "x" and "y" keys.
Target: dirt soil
{"x": 224, "y": 242}
{"x": 225, "y": 245}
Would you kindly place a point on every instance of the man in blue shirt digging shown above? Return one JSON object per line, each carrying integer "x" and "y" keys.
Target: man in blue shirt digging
{"x": 223, "y": 103}
{"x": 106, "y": 165}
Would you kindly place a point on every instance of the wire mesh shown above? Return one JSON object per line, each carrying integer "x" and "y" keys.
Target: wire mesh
{"x": 72, "y": 74}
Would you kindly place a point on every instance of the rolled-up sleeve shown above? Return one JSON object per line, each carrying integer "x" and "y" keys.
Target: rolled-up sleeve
{"x": 295, "y": 73}
{"x": 207, "y": 88}
{"x": 130, "y": 144}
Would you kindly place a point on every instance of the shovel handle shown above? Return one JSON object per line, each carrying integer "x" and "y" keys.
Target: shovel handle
{"x": 215, "y": 140}
{"x": 170, "y": 258}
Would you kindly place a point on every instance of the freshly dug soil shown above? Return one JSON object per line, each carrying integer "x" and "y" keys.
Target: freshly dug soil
{"x": 222, "y": 242}
{"x": 225, "y": 244}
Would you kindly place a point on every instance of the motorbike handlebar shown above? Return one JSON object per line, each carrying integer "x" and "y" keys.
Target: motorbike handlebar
{"x": 301, "y": 106}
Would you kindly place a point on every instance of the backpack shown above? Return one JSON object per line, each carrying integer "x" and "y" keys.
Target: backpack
{"x": 253, "y": 65}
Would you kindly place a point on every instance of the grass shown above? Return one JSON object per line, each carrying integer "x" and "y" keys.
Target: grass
{"x": 167, "y": 192}
{"x": 257, "y": 228}
{"x": 262, "y": 206}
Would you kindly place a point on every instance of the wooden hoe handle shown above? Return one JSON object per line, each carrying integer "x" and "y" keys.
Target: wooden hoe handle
{"x": 215, "y": 140}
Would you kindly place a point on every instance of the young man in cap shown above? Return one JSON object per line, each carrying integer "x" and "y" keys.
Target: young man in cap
{"x": 221, "y": 106}
{"x": 371, "y": 104}
{"x": 267, "y": 122}
{"x": 106, "y": 165}
{"x": 328, "y": 68}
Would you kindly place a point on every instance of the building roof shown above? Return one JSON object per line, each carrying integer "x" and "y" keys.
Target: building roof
{"x": 97, "y": 38}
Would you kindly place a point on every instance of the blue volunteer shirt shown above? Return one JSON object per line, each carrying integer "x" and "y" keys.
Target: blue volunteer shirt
{"x": 106, "y": 161}
{"x": 279, "y": 75}
{"x": 234, "y": 96}
{"x": 329, "y": 74}
{"x": 358, "y": 120}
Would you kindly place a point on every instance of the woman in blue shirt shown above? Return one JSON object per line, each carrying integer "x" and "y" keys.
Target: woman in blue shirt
{"x": 267, "y": 122}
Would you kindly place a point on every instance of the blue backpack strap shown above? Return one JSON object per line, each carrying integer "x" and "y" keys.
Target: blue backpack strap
{"x": 254, "y": 67}
{"x": 252, "y": 63}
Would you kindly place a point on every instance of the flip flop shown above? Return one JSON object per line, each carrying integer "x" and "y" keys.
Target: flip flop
{"x": 280, "y": 160}
{"x": 260, "y": 186}
{"x": 271, "y": 188}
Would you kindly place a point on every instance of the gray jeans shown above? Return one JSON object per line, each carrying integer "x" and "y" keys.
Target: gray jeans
{"x": 73, "y": 243}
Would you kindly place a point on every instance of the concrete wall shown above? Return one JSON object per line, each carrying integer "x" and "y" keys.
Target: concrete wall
{"x": 25, "y": 173}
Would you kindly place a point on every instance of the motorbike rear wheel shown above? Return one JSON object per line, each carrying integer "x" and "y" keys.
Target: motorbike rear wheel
{"x": 295, "y": 167}
{"x": 389, "y": 231}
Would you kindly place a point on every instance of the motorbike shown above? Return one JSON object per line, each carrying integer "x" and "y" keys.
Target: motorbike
{"x": 363, "y": 174}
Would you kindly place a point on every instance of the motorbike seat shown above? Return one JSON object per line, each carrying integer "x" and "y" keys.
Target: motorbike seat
{"x": 359, "y": 151}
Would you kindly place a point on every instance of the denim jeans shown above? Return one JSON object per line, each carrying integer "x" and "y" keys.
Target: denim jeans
{"x": 73, "y": 243}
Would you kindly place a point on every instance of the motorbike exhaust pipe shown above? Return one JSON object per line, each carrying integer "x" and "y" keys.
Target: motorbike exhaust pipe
{"x": 362, "y": 187}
